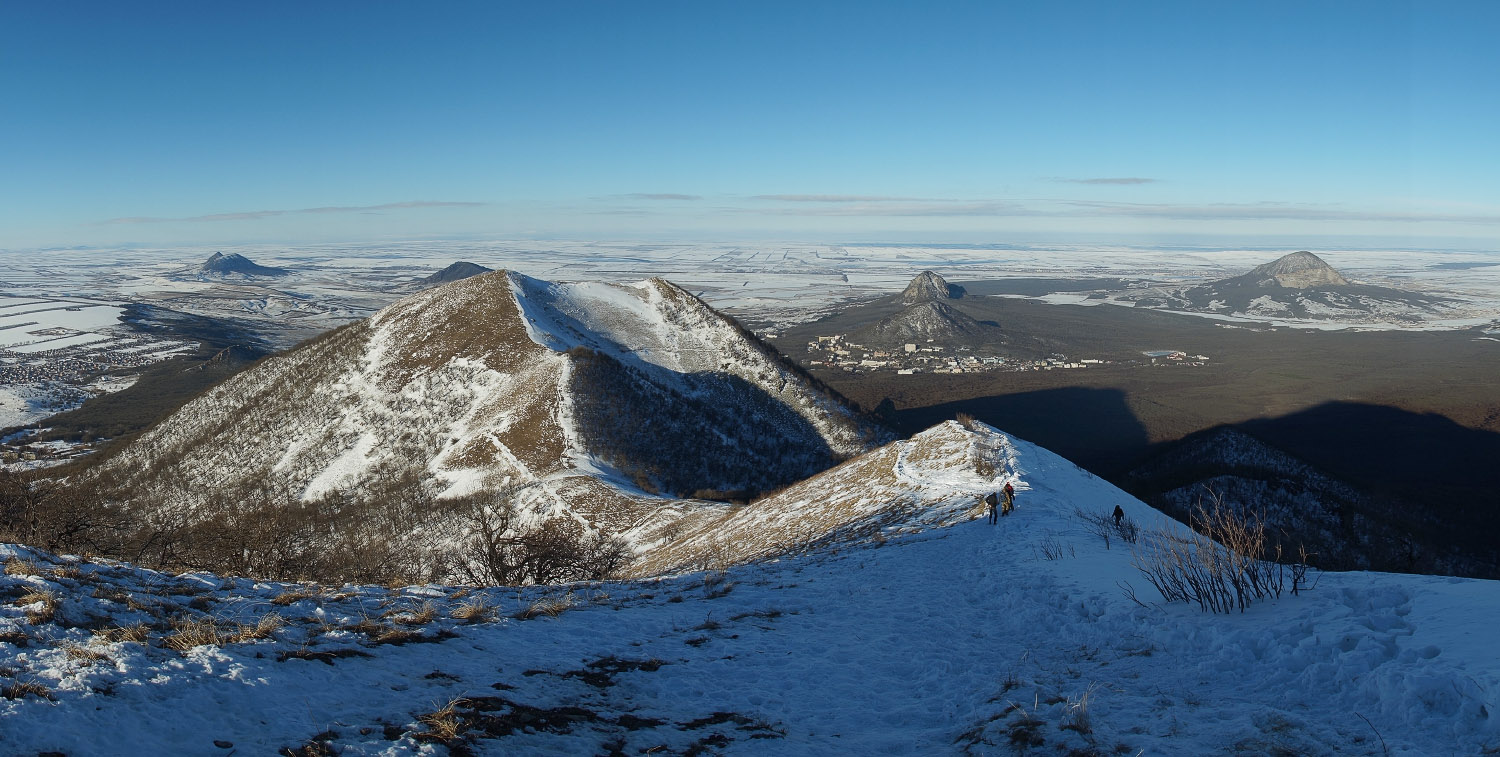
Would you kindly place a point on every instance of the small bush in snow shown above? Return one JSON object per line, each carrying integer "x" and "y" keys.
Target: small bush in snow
{"x": 1223, "y": 563}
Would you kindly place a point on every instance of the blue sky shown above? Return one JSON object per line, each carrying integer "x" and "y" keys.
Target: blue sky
{"x": 167, "y": 123}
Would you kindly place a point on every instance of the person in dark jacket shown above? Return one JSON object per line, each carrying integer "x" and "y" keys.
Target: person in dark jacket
{"x": 1119, "y": 516}
{"x": 993, "y": 500}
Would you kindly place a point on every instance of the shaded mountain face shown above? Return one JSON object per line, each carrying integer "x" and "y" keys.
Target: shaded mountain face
{"x": 933, "y": 320}
{"x": 580, "y": 400}
{"x": 1342, "y": 526}
{"x": 237, "y": 264}
{"x": 455, "y": 272}
{"x": 1302, "y": 286}
{"x": 929, "y": 287}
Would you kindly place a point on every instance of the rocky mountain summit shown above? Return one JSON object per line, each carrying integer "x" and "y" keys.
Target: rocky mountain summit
{"x": 235, "y": 264}
{"x": 1299, "y": 270}
{"x": 929, "y": 287}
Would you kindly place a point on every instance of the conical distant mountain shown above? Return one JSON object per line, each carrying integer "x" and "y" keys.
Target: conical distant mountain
{"x": 1299, "y": 270}
{"x": 929, "y": 287}
{"x": 455, "y": 272}
{"x": 236, "y": 264}
{"x": 582, "y": 400}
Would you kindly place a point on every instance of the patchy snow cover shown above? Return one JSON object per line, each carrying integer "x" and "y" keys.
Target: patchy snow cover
{"x": 964, "y": 638}
{"x": 468, "y": 388}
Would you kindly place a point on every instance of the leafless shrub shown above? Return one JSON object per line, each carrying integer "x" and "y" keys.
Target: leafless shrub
{"x": 966, "y": 420}
{"x": 501, "y": 551}
{"x": 1103, "y": 525}
{"x": 1050, "y": 548}
{"x": 1223, "y": 563}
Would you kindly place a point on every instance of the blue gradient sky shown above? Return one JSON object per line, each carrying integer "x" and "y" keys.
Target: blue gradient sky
{"x": 166, "y": 123}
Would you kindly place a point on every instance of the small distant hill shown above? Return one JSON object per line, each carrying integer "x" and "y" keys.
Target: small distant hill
{"x": 235, "y": 264}
{"x": 455, "y": 272}
{"x": 1300, "y": 285}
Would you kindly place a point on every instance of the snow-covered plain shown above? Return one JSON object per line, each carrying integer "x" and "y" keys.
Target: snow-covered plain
{"x": 775, "y": 282}
{"x": 978, "y": 638}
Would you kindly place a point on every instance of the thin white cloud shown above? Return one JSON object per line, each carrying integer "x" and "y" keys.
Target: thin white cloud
{"x": 834, "y": 198}
{"x": 1110, "y": 180}
{"x": 662, "y": 196}
{"x": 253, "y": 215}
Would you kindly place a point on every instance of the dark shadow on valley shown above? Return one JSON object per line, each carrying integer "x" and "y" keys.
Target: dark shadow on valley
{"x": 1094, "y": 428}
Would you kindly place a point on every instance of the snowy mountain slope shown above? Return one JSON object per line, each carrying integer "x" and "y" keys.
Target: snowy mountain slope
{"x": 937, "y": 477}
{"x": 495, "y": 382}
{"x": 964, "y": 639}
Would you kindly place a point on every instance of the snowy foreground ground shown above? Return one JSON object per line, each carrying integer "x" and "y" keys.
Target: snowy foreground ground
{"x": 959, "y": 639}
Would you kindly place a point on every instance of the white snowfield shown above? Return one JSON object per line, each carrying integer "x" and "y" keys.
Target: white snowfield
{"x": 964, "y": 638}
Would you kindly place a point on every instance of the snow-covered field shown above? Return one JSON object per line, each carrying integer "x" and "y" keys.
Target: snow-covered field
{"x": 786, "y": 282}
{"x": 972, "y": 638}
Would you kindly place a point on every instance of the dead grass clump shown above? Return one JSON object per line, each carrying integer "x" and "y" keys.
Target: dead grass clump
{"x": 292, "y": 596}
{"x": 476, "y": 610}
{"x": 408, "y": 616}
{"x": 188, "y": 633}
{"x": 68, "y": 571}
{"x": 138, "y": 633}
{"x": 84, "y": 655}
{"x": 549, "y": 606}
{"x": 445, "y": 724}
{"x": 19, "y": 566}
{"x": 22, "y": 689}
{"x": 18, "y": 638}
{"x": 262, "y": 629}
{"x": 48, "y": 606}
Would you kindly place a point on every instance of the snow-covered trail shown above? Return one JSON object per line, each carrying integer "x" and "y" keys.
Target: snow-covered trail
{"x": 960, "y": 639}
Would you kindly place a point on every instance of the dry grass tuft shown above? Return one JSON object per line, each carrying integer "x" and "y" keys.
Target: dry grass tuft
{"x": 69, "y": 571}
{"x": 445, "y": 724}
{"x": 136, "y": 634}
{"x": 188, "y": 633}
{"x": 22, "y": 689}
{"x": 292, "y": 596}
{"x": 549, "y": 606}
{"x": 18, "y": 566}
{"x": 408, "y": 616}
{"x": 84, "y": 655}
{"x": 476, "y": 610}
{"x": 43, "y": 614}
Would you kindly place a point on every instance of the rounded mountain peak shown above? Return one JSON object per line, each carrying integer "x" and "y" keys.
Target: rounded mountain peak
{"x": 929, "y": 287}
{"x": 1299, "y": 270}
